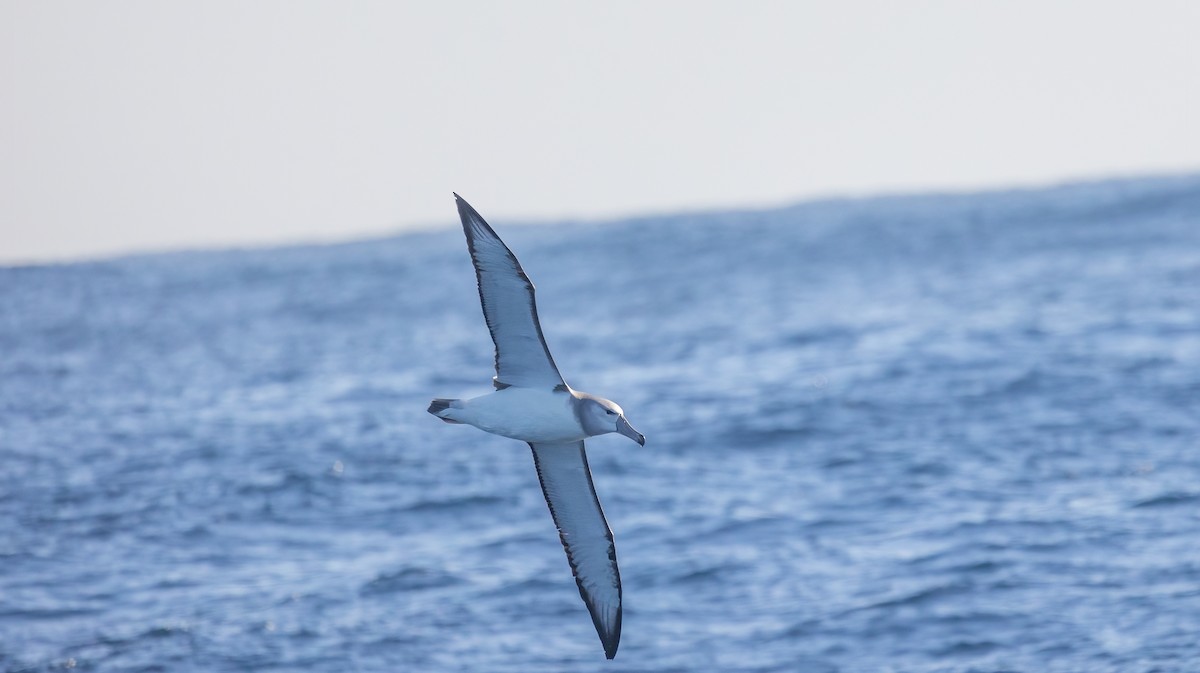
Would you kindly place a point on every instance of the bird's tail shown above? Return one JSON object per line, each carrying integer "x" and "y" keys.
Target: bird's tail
{"x": 442, "y": 409}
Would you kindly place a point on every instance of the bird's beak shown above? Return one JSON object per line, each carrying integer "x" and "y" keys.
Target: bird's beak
{"x": 626, "y": 429}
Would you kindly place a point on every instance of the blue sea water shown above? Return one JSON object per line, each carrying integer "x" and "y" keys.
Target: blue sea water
{"x": 918, "y": 434}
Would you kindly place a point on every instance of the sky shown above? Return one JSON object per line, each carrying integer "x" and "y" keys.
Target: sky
{"x": 131, "y": 125}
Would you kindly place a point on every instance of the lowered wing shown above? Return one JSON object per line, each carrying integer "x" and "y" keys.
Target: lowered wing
{"x": 567, "y": 484}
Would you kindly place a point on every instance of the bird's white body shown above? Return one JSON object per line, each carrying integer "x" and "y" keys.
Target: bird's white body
{"x": 527, "y": 414}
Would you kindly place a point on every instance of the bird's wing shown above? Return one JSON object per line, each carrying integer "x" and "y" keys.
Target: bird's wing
{"x": 522, "y": 358}
{"x": 567, "y": 484}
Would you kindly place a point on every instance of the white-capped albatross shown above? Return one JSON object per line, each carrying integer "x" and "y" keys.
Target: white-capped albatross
{"x": 532, "y": 403}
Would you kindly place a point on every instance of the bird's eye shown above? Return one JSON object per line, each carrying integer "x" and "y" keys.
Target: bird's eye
{"x": 610, "y": 412}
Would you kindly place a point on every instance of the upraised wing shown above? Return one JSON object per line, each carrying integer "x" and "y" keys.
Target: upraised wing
{"x": 506, "y": 293}
{"x": 567, "y": 484}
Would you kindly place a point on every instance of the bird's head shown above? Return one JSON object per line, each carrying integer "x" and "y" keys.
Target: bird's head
{"x": 599, "y": 416}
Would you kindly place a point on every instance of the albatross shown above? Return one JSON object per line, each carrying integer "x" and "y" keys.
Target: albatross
{"x": 532, "y": 403}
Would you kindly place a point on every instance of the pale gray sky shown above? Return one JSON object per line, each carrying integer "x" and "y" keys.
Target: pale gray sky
{"x": 143, "y": 125}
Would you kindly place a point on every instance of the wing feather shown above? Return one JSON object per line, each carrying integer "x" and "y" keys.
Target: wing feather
{"x": 567, "y": 485}
{"x": 509, "y": 308}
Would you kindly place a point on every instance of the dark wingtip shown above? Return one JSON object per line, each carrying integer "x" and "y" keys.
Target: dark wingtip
{"x": 466, "y": 212}
{"x": 610, "y": 639}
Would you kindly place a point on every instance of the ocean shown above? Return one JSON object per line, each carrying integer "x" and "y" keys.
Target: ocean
{"x": 930, "y": 433}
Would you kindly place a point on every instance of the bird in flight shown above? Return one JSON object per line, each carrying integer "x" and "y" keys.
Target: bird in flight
{"x": 532, "y": 403}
